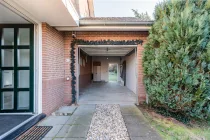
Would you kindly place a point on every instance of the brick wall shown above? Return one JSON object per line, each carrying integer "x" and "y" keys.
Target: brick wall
{"x": 106, "y": 36}
{"x": 53, "y": 81}
{"x": 85, "y": 70}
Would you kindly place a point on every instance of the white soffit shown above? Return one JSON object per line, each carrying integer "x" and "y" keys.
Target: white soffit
{"x": 107, "y": 51}
{"x": 7, "y": 16}
{"x": 53, "y": 12}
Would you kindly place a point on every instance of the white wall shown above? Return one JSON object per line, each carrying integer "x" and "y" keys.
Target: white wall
{"x": 131, "y": 77}
{"x": 131, "y": 72}
{"x": 105, "y": 66}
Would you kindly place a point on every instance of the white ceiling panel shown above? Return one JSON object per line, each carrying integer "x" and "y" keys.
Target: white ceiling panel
{"x": 107, "y": 51}
{"x": 7, "y": 16}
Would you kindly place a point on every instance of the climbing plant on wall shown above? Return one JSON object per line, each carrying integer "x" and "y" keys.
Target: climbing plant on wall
{"x": 72, "y": 71}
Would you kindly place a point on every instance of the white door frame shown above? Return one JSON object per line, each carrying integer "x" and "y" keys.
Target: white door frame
{"x": 13, "y": 6}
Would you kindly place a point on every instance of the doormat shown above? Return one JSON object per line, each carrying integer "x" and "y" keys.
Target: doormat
{"x": 36, "y": 133}
{"x": 7, "y": 122}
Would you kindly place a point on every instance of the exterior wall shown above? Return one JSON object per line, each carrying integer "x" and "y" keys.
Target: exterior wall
{"x": 67, "y": 86}
{"x": 105, "y": 36}
{"x": 131, "y": 72}
{"x": 85, "y": 70}
{"x": 52, "y": 69}
{"x": 105, "y": 66}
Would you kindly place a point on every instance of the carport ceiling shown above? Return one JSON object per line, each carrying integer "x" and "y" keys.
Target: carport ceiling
{"x": 107, "y": 51}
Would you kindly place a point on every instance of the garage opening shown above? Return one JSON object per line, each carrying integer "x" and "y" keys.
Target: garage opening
{"x": 107, "y": 74}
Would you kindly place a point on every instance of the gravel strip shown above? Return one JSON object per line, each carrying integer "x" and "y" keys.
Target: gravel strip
{"x": 107, "y": 124}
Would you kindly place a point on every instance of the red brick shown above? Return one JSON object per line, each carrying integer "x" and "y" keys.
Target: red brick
{"x": 105, "y": 36}
{"x": 53, "y": 80}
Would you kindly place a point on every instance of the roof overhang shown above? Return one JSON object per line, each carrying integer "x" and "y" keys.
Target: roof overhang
{"x": 8, "y": 16}
{"x": 54, "y": 12}
{"x": 110, "y": 24}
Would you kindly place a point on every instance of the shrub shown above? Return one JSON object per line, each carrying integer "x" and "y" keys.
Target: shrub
{"x": 177, "y": 58}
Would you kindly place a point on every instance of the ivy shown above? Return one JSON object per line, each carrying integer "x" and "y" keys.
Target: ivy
{"x": 177, "y": 115}
{"x": 109, "y": 42}
{"x": 177, "y": 57}
{"x": 72, "y": 70}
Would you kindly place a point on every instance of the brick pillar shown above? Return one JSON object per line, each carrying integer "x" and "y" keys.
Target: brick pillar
{"x": 67, "y": 49}
{"x": 141, "y": 88}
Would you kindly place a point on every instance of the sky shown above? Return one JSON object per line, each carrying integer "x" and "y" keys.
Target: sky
{"x": 122, "y": 8}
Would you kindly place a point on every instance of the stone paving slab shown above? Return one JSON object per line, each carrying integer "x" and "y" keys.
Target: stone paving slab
{"x": 69, "y": 139}
{"x": 76, "y": 126}
{"x": 78, "y": 131}
{"x": 85, "y": 110}
{"x": 80, "y": 120}
{"x": 54, "y": 120}
{"x": 129, "y": 110}
{"x": 134, "y": 119}
{"x": 47, "y": 139}
{"x": 138, "y": 130}
{"x": 65, "y": 111}
{"x": 63, "y": 131}
{"x": 137, "y": 126}
{"x": 54, "y": 131}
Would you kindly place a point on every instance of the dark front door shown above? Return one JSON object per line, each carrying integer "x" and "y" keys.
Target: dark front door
{"x": 16, "y": 68}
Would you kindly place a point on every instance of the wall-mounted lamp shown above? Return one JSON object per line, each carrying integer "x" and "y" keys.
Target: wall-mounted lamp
{"x": 67, "y": 78}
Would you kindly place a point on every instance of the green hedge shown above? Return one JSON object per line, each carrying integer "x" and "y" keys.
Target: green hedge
{"x": 177, "y": 58}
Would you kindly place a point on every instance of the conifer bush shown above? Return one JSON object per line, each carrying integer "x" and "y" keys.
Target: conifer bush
{"x": 177, "y": 58}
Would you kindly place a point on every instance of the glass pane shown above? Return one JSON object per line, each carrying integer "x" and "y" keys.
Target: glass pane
{"x": 23, "y": 100}
{"x": 7, "y": 100}
{"x": 7, "y": 57}
{"x": 23, "y": 57}
{"x": 7, "y": 36}
{"x": 23, "y": 36}
{"x": 7, "y": 79}
{"x": 23, "y": 79}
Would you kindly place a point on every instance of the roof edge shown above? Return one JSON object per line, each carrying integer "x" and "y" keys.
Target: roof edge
{"x": 102, "y": 22}
{"x": 104, "y": 28}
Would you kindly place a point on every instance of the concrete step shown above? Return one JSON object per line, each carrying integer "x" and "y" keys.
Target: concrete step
{"x": 65, "y": 111}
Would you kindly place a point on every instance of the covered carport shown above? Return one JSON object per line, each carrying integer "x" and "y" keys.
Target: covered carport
{"x": 93, "y": 64}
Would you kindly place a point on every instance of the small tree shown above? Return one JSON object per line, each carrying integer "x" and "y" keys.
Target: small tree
{"x": 177, "y": 58}
{"x": 143, "y": 16}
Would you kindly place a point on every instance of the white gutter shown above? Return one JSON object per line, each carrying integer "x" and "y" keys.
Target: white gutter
{"x": 103, "y": 22}
{"x": 105, "y": 28}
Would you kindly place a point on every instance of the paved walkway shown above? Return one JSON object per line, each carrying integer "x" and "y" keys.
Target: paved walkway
{"x": 77, "y": 125}
{"x": 107, "y": 93}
